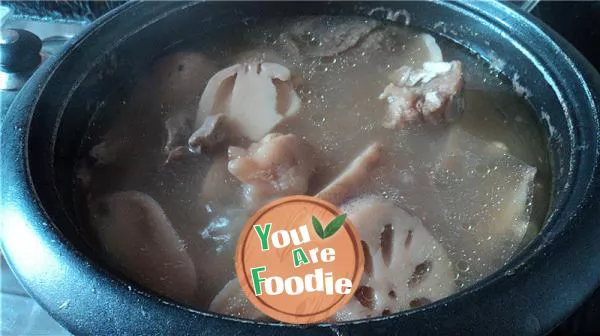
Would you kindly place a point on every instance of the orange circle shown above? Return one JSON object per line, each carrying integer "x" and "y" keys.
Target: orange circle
{"x": 287, "y": 217}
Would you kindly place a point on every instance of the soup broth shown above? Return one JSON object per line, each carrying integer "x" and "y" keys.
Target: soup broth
{"x": 166, "y": 212}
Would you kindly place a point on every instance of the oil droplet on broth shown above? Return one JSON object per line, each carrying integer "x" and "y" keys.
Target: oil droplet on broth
{"x": 462, "y": 266}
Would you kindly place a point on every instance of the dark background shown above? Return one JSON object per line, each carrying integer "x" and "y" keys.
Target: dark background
{"x": 62, "y": 10}
{"x": 578, "y": 22}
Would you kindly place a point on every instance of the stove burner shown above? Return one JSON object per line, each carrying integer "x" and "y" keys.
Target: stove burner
{"x": 17, "y": 66}
{"x": 8, "y": 36}
{"x": 19, "y": 57}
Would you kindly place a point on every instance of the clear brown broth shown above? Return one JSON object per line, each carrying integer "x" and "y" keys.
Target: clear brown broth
{"x": 340, "y": 116}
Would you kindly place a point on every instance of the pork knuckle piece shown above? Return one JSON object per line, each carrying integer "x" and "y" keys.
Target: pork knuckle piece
{"x": 254, "y": 97}
{"x": 279, "y": 165}
{"x": 136, "y": 233}
{"x": 424, "y": 94}
{"x": 405, "y": 267}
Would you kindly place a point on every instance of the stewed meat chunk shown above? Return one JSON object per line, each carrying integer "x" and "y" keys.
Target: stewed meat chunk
{"x": 278, "y": 165}
{"x": 422, "y": 95}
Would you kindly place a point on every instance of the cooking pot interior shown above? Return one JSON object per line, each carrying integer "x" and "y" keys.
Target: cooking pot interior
{"x": 106, "y": 70}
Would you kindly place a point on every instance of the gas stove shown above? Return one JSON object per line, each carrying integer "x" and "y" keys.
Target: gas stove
{"x": 34, "y": 31}
{"x": 25, "y": 43}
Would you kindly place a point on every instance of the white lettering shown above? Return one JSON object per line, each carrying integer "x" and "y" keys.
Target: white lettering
{"x": 289, "y": 284}
{"x": 328, "y": 254}
{"x": 303, "y": 232}
{"x": 343, "y": 286}
{"x": 279, "y": 285}
{"x": 280, "y": 239}
{"x": 316, "y": 278}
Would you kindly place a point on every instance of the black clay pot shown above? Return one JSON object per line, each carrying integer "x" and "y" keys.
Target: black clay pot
{"x": 41, "y": 134}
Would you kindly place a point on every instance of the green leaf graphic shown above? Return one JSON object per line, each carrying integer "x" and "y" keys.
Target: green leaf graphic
{"x": 334, "y": 226}
{"x": 318, "y": 227}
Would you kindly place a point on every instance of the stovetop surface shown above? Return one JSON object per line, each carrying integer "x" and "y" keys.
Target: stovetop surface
{"x": 56, "y": 21}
